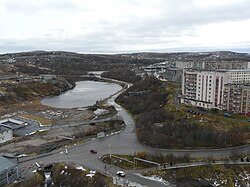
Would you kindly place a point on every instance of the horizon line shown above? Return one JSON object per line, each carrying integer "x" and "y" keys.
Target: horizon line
{"x": 173, "y": 50}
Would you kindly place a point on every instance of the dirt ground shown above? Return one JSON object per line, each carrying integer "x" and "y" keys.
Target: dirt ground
{"x": 53, "y": 117}
{"x": 41, "y": 139}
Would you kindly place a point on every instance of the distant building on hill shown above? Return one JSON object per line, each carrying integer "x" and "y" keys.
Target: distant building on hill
{"x": 172, "y": 74}
{"x": 47, "y": 77}
{"x": 212, "y": 65}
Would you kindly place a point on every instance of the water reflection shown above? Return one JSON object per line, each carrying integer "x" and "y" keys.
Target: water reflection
{"x": 84, "y": 94}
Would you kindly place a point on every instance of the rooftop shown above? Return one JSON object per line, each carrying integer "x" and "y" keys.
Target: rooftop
{"x": 6, "y": 163}
{"x": 4, "y": 128}
{"x": 13, "y": 123}
{"x": 218, "y": 70}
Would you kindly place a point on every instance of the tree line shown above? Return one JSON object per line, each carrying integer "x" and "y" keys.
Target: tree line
{"x": 158, "y": 127}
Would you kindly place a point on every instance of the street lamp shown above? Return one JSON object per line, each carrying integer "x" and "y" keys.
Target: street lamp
{"x": 66, "y": 152}
{"x": 109, "y": 152}
{"x": 7, "y": 175}
{"x": 225, "y": 138}
{"x": 17, "y": 174}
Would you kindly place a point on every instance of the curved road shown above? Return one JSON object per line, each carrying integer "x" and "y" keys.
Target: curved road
{"x": 124, "y": 142}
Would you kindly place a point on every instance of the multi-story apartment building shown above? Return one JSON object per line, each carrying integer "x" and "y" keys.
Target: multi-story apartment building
{"x": 212, "y": 65}
{"x": 205, "y": 88}
{"x": 236, "y": 98}
{"x": 239, "y": 75}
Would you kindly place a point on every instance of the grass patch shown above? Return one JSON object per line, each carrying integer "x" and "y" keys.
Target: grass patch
{"x": 127, "y": 161}
{"x": 223, "y": 175}
{"x": 42, "y": 120}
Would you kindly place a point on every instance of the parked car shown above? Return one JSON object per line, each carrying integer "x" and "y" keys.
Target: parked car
{"x": 93, "y": 151}
{"x": 120, "y": 173}
{"x": 227, "y": 115}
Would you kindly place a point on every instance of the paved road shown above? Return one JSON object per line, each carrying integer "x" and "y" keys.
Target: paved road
{"x": 124, "y": 142}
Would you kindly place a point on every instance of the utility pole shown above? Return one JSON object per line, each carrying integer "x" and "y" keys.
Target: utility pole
{"x": 17, "y": 174}
{"x": 66, "y": 152}
{"x": 109, "y": 153}
{"x": 225, "y": 138}
{"x": 7, "y": 175}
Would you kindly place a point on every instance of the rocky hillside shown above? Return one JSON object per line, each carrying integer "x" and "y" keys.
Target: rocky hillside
{"x": 68, "y": 63}
{"x": 12, "y": 91}
{"x": 62, "y": 63}
{"x": 193, "y": 56}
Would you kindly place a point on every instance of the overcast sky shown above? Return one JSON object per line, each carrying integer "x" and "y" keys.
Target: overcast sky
{"x": 114, "y": 26}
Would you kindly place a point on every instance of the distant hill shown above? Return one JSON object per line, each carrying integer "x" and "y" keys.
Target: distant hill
{"x": 61, "y": 62}
{"x": 192, "y": 56}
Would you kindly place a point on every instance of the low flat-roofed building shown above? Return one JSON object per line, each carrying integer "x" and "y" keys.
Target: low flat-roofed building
{"x": 172, "y": 74}
{"x": 6, "y": 133}
{"x": 13, "y": 123}
{"x": 23, "y": 126}
{"x": 8, "y": 171}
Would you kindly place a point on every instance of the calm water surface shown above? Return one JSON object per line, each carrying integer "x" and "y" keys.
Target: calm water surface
{"x": 85, "y": 93}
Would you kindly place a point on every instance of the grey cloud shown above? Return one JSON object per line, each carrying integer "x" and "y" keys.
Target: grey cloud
{"x": 34, "y": 7}
{"x": 177, "y": 18}
{"x": 200, "y": 16}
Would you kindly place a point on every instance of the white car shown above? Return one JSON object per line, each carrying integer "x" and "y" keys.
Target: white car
{"x": 120, "y": 173}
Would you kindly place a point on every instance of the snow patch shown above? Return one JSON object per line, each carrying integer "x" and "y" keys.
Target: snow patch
{"x": 21, "y": 155}
{"x": 124, "y": 182}
{"x": 29, "y": 134}
{"x": 154, "y": 178}
{"x": 90, "y": 175}
{"x": 92, "y": 172}
{"x": 80, "y": 168}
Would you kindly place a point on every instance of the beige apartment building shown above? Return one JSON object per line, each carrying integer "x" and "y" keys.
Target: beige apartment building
{"x": 205, "y": 89}
{"x": 236, "y": 98}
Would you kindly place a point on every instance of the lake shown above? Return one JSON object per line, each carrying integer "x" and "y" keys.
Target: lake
{"x": 85, "y": 93}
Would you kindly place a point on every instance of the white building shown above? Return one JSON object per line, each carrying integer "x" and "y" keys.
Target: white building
{"x": 6, "y": 133}
{"x": 239, "y": 76}
{"x": 205, "y": 88}
{"x": 101, "y": 135}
